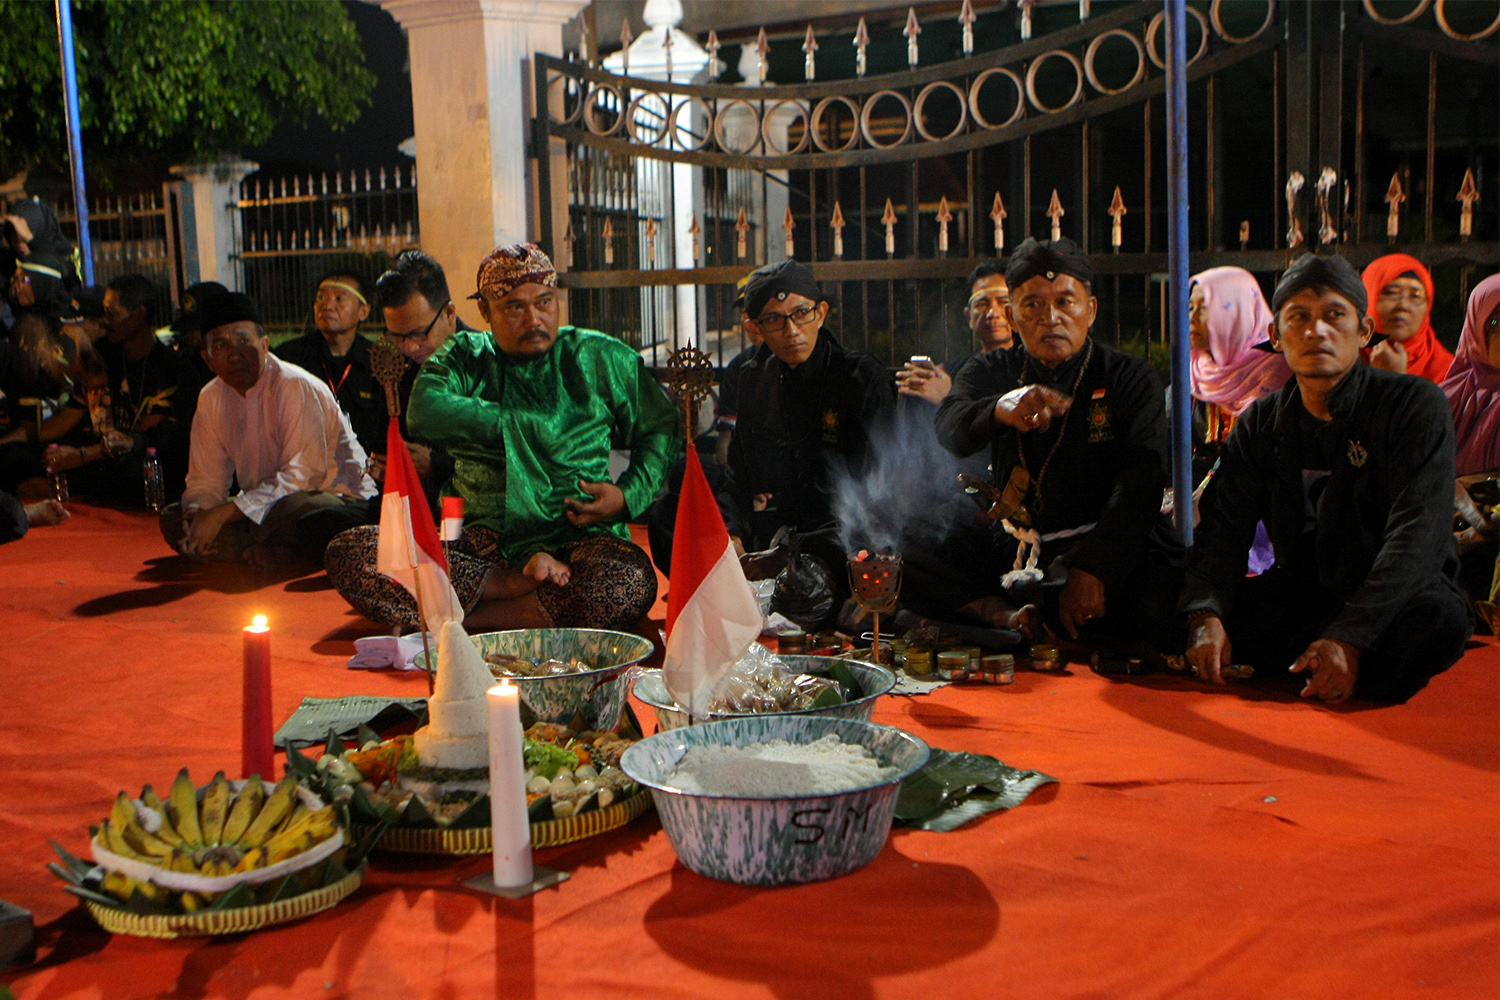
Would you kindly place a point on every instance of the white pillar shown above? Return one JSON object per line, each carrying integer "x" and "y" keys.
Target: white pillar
{"x": 471, "y": 83}
{"x": 680, "y": 185}
{"x": 216, "y": 216}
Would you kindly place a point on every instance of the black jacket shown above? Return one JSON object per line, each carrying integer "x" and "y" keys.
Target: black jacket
{"x": 1384, "y": 526}
{"x": 794, "y": 425}
{"x": 1110, "y": 469}
{"x": 351, "y": 380}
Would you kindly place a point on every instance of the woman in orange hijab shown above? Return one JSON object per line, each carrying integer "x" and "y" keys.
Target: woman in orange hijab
{"x": 1400, "y": 291}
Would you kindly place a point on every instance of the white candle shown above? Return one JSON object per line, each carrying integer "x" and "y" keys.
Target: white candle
{"x": 510, "y": 825}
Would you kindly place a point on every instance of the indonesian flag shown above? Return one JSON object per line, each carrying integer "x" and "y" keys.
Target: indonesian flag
{"x": 712, "y": 614}
{"x": 409, "y": 551}
{"x": 453, "y": 519}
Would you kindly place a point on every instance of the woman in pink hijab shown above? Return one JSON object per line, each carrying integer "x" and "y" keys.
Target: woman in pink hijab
{"x": 1473, "y": 391}
{"x": 1227, "y": 318}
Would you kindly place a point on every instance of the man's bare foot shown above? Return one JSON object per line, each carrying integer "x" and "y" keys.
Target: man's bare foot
{"x": 46, "y": 512}
{"x": 546, "y": 568}
{"x": 1025, "y": 621}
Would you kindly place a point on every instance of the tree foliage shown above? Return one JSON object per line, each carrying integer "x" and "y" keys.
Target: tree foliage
{"x": 173, "y": 80}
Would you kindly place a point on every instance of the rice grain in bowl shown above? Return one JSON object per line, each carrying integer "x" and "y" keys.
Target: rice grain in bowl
{"x": 776, "y": 839}
{"x": 874, "y": 682}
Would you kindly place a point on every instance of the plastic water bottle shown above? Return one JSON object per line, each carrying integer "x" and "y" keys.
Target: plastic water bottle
{"x": 151, "y": 474}
{"x": 59, "y": 480}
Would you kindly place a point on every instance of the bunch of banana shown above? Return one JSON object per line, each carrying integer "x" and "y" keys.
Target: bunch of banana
{"x": 223, "y": 835}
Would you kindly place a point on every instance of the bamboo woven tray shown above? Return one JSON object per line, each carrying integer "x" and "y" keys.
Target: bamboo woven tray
{"x": 245, "y": 918}
{"x": 476, "y": 840}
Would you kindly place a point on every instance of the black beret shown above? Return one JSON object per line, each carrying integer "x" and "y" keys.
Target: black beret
{"x": 231, "y": 307}
{"x": 778, "y": 281}
{"x": 1049, "y": 259}
{"x": 1313, "y": 271}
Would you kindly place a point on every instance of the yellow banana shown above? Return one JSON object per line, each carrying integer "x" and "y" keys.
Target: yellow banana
{"x": 290, "y": 847}
{"x": 192, "y": 902}
{"x": 254, "y": 858}
{"x": 182, "y": 809}
{"x": 182, "y": 861}
{"x": 215, "y": 867}
{"x": 214, "y": 809}
{"x": 168, "y": 832}
{"x": 123, "y": 820}
{"x": 277, "y": 806}
{"x": 250, "y": 799}
{"x": 116, "y": 842}
{"x": 122, "y": 887}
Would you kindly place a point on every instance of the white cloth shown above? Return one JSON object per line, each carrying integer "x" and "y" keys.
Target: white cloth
{"x": 377, "y": 652}
{"x": 286, "y": 435}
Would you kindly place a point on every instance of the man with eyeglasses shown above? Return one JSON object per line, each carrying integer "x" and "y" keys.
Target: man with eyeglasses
{"x": 806, "y": 406}
{"x": 274, "y": 428}
{"x": 987, "y": 313}
{"x": 1077, "y": 436}
{"x": 530, "y": 411}
{"x": 336, "y": 353}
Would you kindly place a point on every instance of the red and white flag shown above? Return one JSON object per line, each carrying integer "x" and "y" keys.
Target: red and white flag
{"x": 452, "y": 528}
{"x": 712, "y": 614}
{"x": 409, "y": 551}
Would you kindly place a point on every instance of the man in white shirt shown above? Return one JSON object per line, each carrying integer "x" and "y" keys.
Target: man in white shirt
{"x": 275, "y": 428}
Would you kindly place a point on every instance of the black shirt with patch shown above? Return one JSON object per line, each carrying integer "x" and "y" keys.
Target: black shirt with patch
{"x": 1382, "y": 530}
{"x": 794, "y": 426}
{"x": 1108, "y": 470}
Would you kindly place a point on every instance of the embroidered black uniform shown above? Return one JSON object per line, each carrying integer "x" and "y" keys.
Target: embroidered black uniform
{"x": 794, "y": 425}
{"x": 1109, "y": 470}
{"x": 1359, "y": 511}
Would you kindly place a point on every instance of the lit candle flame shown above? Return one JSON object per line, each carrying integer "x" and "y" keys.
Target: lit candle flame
{"x": 258, "y": 622}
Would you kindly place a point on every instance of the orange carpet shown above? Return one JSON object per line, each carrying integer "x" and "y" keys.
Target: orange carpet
{"x": 1200, "y": 844}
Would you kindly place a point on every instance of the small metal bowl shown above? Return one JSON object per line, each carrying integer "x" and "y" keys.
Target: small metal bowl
{"x": 873, "y": 680}
{"x": 775, "y": 840}
{"x": 598, "y": 694}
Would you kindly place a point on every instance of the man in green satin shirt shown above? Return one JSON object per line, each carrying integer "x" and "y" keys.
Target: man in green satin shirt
{"x": 530, "y": 412}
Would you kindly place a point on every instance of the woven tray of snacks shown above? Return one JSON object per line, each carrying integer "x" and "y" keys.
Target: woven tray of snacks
{"x": 575, "y": 790}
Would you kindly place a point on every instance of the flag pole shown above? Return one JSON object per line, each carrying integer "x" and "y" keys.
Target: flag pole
{"x": 416, "y": 580}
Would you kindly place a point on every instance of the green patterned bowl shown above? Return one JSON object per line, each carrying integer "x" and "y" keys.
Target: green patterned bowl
{"x": 775, "y": 841}
{"x": 598, "y": 694}
{"x": 873, "y": 679}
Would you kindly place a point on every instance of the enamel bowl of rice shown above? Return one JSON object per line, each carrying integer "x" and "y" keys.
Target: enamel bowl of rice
{"x": 776, "y": 799}
{"x": 563, "y": 672}
{"x": 869, "y": 682}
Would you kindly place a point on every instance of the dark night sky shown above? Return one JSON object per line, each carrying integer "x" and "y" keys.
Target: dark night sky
{"x": 312, "y": 145}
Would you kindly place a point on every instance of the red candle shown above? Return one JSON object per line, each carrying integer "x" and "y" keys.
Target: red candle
{"x": 257, "y": 754}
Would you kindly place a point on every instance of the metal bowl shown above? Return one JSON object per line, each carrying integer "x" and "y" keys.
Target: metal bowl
{"x": 597, "y": 694}
{"x": 775, "y": 840}
{"x": 873, "y": 679}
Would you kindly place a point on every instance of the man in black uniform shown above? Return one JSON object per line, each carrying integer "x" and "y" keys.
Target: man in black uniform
{"x": 1351, "y": 469}
{"x": 1077, "y": 433}
{"x": 337, "y": 354}
{"x": 806, "y": 406}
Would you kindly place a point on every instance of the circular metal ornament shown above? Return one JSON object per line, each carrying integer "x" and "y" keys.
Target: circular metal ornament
{"x": 577, "y": 111}
{"x": 1036, "y": 64}
{"x": 978, "y": 84}
{"x": 816, "y": 125}
{"x": 1411, "y": 16}
{"x": 724, "y": 110}
{"x": 1155, "y": 26}
{"x": 690, "y": 378}
{"x": 864, "y": 119}
{"x": 678, "y": 133}
{"x": 923, "y": 94}
{"x": 1442, "y": 20}
{"x": 1093, "y": 49}
{"x": 765, "y": 125}
{"x": 636, "y": 108}
{"x": 1213, "y": 15}
{"x": 591, "y": 109}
